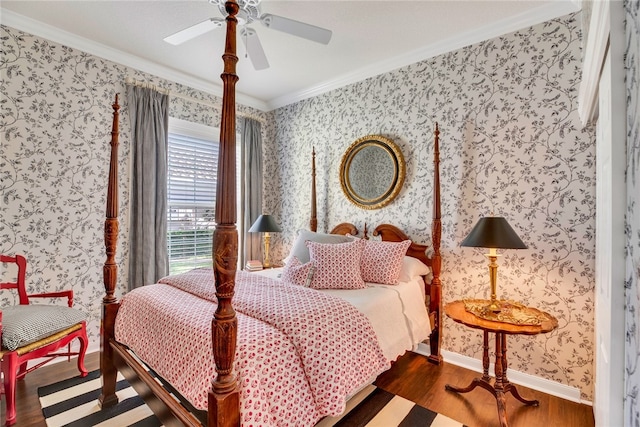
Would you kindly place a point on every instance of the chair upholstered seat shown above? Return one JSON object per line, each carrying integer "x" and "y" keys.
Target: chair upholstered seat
{"x": 35, "y": 332}
{"x": 26, "y": 324}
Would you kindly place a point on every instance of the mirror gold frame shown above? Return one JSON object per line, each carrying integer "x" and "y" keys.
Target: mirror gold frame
{"x": 372, "y": 172}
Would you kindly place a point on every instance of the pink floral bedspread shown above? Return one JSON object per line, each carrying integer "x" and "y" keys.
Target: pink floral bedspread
{"x": 300, "y": 353}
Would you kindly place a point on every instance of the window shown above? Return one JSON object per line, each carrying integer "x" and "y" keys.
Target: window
{"x": 191, "y": 183}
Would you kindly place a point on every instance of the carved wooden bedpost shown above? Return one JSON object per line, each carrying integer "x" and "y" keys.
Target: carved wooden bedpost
{"x": 313, "y": 222}
{"x": 435, "y": 340}
{"x": 224, "y": 398}
{"x": 110, "y": 273}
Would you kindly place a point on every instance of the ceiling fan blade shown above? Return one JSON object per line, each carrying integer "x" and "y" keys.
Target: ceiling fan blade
{"x": 296, "y": 28}
{"x": 254, "y": 48}
{"x": 194, "y": 31}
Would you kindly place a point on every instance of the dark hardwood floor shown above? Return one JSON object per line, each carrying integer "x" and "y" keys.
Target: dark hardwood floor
{"x": 412, "y": 377}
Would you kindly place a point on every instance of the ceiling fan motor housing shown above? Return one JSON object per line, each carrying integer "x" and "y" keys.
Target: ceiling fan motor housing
{"x": 248, "y": 12}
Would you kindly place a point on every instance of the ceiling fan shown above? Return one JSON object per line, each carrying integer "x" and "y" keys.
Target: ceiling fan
{"x": 250, "y": 12}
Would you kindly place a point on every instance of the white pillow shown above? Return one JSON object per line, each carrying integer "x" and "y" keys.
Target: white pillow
{"x": 300, "y": 250}
{"x": 412, "y": 267}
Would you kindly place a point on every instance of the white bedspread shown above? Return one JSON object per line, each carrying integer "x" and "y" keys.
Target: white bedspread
{"x": 397, "y": 312}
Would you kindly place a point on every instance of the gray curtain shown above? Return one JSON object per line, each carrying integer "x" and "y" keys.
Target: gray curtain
{"x": 250, "y": 190}
{"x": 149, "y": 116}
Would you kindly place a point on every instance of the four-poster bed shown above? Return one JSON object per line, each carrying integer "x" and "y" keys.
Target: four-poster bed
{"x": 224, "y": 395}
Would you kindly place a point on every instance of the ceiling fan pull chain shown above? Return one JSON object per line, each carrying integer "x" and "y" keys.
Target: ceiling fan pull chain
{"x": 246, "y": 51}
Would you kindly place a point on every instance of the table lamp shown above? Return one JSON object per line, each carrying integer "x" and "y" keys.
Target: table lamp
{"x": 494, "y": 233}
{"x": 265, "y": 224}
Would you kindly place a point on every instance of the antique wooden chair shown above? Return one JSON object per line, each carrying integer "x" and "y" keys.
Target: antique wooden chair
{"x": 35, "y": 331}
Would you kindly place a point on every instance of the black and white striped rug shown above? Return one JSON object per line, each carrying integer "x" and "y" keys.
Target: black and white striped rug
{"x": 74, "y": 403}
{"x": 384, "y": 409}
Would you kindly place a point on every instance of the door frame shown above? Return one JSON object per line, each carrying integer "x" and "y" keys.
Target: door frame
{"x": 606, "y": 40}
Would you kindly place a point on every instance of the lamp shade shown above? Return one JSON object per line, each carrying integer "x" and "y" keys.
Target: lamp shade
{"x": 493, "y": 232}
{"x": 265, "y": 224}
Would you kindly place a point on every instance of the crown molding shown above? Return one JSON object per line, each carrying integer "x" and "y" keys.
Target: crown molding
{"x": 526, "y": 19}
{"x": 541, "y": 14}
{"x": 40, "y": 29}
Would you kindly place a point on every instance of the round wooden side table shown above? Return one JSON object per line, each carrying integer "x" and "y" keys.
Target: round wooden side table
{"x": 456, "y": 311}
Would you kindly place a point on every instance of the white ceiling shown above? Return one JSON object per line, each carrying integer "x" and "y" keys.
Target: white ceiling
{"x": 369, "y": 38}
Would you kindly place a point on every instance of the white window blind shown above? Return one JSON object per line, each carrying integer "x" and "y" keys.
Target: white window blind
{"x": 191, "y": 197}
{"x": 192, "y": 173}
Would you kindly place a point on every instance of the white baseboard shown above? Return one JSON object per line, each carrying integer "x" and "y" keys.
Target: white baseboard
{"x": 527, "y": 380}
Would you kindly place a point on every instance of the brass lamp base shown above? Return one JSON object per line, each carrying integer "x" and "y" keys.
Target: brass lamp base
{"x": 266, "y": 262}
{"x": 494, "y": 306}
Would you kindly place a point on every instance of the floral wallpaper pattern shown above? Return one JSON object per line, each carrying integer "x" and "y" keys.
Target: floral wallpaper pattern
{"x": 632, "y": 285}
{"x": 511, "y": 145}
{"x": 55, "y": 130}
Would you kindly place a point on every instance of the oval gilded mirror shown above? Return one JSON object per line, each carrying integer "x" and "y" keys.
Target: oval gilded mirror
{"x": 372, "y": 172}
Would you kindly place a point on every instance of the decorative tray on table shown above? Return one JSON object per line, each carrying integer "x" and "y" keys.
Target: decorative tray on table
{"x": 511, "y": 312}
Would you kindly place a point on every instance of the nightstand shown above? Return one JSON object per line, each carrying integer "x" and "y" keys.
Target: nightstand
{"x": 458, "y": 312}
{"x": 264, "y": 268}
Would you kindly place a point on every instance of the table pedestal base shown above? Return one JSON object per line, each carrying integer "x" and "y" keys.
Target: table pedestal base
{"x": 501, "y": 385}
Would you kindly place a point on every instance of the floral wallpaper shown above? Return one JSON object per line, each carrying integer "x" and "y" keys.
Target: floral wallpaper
{"x": 511, "y": 145}
{"x": 55, "y": 131}
{"x": 632, "y": 285}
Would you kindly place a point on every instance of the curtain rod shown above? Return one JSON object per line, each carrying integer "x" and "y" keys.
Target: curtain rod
{"x": 131, "y": 81}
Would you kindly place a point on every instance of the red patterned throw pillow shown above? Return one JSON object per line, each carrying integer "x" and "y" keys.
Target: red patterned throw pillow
{"x": 337, "y": 265}
{"x": 297, "y": 273}
{"x": 382, "y": 261}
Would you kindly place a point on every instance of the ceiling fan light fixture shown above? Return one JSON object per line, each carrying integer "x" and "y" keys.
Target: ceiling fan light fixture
{"x": 243, "y": 18}
{"x": 249, "y": 11}
{"x": 241, "y": 3}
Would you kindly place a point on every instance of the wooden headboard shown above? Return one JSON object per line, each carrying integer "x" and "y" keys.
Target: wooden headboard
{"x": 387, "y": 233}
